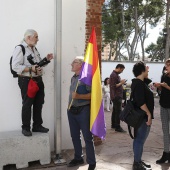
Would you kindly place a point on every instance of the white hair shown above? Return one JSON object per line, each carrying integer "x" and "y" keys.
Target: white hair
{"x": 29, "y": 32}
{"x": 80, "y": 58}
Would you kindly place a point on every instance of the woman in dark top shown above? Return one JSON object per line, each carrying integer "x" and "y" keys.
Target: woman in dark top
{"x": 164, "y": 87}
{"x": 143, "y": 98}
{"x": 158, "y": 84}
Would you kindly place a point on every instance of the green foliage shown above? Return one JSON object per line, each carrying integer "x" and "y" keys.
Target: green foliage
{"x": 111, "y": 26}
{"x": 157, "y": 51}
{"x": 124, "y": 21}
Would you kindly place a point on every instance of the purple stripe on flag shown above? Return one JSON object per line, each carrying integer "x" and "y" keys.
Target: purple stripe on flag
{"x": 86, "y": 74}
{"x": 99, "y": 127}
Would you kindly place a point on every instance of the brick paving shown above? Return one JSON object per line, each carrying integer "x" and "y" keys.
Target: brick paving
{"x": 115, "y": 153}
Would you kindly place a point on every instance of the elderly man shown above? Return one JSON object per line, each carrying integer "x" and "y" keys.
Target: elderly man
{"x": 28, "y": 65}
{"x": 79, "y": 117}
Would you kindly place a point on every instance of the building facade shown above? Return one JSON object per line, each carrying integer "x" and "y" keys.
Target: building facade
{"x": 65, "y": 43}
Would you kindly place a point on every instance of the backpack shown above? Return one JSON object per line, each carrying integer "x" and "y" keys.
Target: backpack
{"x": 14, "y": 73}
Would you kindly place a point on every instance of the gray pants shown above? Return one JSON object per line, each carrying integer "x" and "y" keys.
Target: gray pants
{"x": 165, "y": 118}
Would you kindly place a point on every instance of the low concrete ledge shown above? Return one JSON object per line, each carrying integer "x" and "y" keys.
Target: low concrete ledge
{"x": 18, "y": 149}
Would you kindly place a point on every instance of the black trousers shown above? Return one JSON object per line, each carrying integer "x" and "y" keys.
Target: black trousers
{"x": 117, "y": 107}
{"x": 27, "y": 103}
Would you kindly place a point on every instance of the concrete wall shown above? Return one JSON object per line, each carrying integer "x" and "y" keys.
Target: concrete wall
{"x": 19, "y": 15}
{"x": 155, "y": 70}
{"x": 73, "y": 44}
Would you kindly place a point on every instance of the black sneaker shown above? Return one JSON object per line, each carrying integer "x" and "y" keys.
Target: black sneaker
{"x": 26, "y": 132}
{"x": 40, "y": 129}
{"x": 146, "y": 165}
{"x": 75, "y": 162}
{"x": 119, "y": 129}
{"x": 138, "y": 166}
{"x": 92, "y": 166}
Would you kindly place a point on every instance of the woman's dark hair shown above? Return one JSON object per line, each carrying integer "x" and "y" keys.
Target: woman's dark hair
{"x": 105, "y": 80}
{"x": 138, "y": 68}
{"x": 163, "y": 73}
{"x": 163, "y": 70}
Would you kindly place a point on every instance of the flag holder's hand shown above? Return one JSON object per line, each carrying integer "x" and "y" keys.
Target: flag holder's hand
{"x": 72, "y": 98}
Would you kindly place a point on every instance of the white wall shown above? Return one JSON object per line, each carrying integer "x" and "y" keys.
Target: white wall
{"x": 19, "y": 15}
{"x": 155, "y": 70}
{"x": 73, "y": 44}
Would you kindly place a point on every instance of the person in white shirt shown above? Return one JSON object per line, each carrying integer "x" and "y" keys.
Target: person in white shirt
{"x": 106, "y": 93}
{"x": 25, "y": 70}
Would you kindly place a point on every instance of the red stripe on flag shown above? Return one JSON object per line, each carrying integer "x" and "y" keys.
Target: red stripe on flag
{"x": 93, "y": 41}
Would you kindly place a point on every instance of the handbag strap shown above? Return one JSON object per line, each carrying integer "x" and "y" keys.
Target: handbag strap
{"x": 30, "y": 71}
{"x": 131, "y": 94}
{"x": 130, "y": 132}
{"x": 129, "y": 127}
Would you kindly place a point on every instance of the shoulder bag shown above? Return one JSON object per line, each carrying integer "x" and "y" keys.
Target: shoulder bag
{"x": 133, "y": 116}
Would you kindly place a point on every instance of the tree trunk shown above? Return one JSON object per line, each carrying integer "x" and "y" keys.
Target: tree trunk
{"x": 123, "y": 28}
{"x": 110, "y": 52}
{"x": 135, "y": 36}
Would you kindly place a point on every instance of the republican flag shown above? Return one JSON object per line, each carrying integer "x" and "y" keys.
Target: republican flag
{"x": 90, "y": 75}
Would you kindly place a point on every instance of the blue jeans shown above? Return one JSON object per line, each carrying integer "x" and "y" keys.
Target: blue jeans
{"x": 139, "y": 141}
{"x": 81, "y": 122}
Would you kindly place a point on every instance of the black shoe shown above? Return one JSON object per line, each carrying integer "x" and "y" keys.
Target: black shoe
{"x": 138, "y": 166}
{"x": 26, "y": 132}
{"x": 120, "y": 130}
{"x": 146, "y": 165}
{"x": 165, "y": 157}
{"x": 92, "y": 166}
{"x": 75, "y": 162}
{"x": 40, "y": 129}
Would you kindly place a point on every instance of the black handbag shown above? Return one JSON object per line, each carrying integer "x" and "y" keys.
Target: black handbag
{"x": 133, "y": 116}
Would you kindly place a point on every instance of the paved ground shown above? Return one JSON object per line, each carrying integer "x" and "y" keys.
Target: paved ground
{"x": 115, "y": 153}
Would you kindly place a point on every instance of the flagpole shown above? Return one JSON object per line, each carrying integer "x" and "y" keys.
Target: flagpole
{"x": 72, "y": 98}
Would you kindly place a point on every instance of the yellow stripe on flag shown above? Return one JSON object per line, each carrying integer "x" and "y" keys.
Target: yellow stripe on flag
{"x": 96, "y": 96}
{"x": 89, "y": 54}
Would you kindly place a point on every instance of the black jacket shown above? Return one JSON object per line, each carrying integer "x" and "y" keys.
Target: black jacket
{"x": 141, "y": 94}
{"x": 165, "y": 93}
